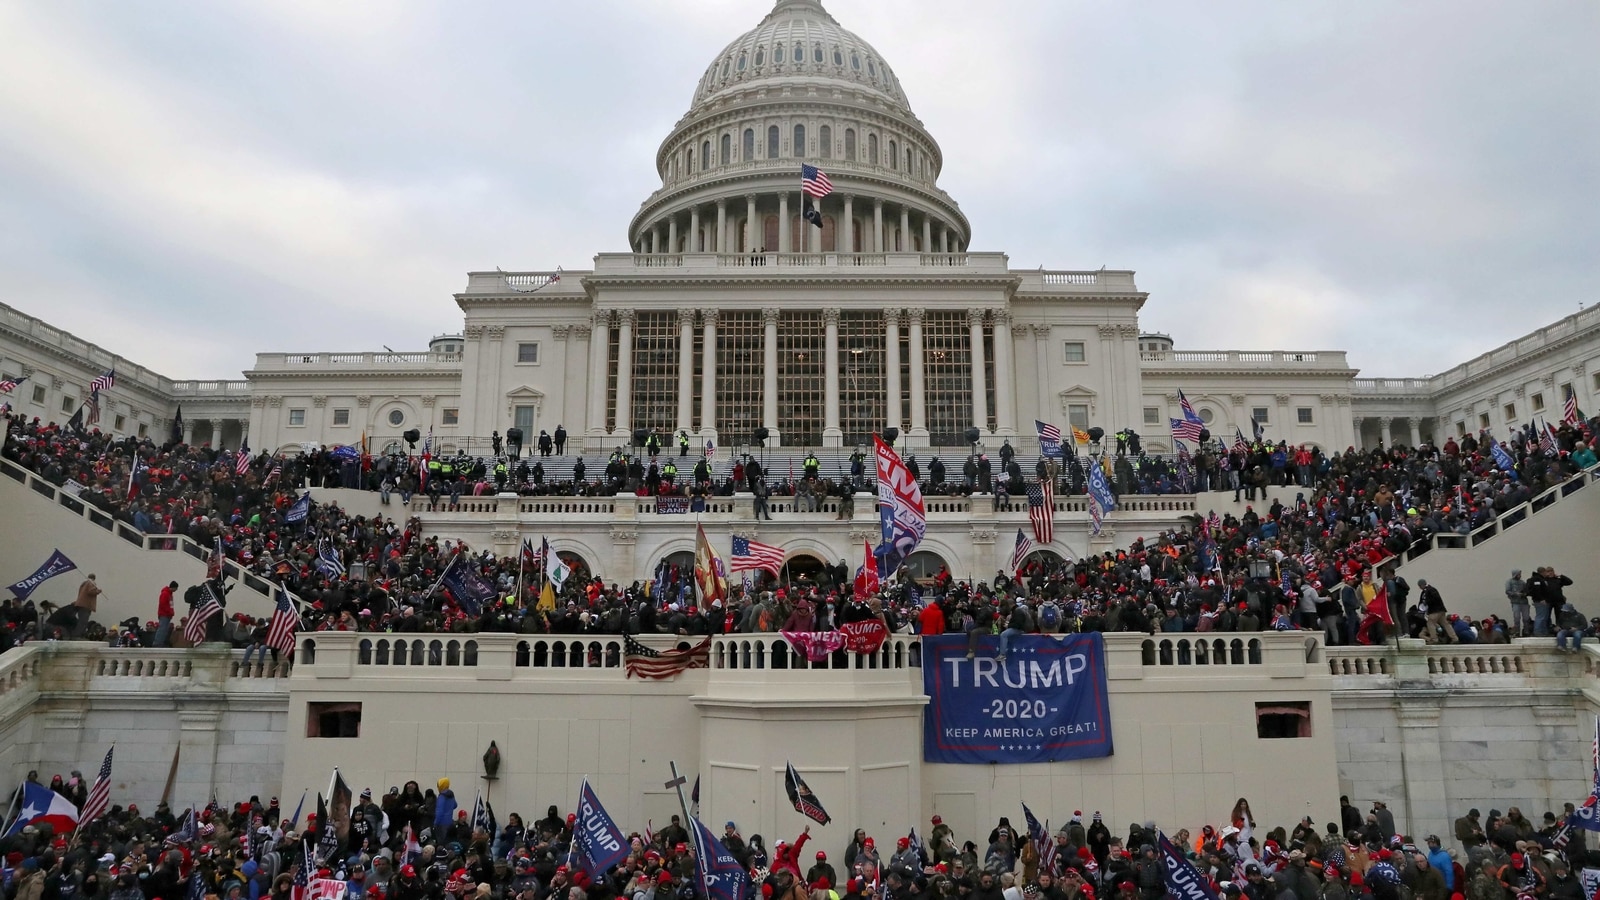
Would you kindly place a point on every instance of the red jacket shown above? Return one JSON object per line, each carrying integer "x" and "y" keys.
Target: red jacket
{"x": 789, "y": 857}
{"x": 164, "y": 605}
{"x": 932, "y": 619}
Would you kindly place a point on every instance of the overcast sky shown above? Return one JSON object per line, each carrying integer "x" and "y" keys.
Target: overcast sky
{"x": 188, "y": 183}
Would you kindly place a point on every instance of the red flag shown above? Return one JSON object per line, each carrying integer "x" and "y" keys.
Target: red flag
{"x": 1380, "y": 605}
{"x": 867, "y": 576}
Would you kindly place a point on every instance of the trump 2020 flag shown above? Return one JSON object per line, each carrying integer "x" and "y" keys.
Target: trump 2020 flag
{"x": 1183, "y": 881}
{"x": 722, "y": 875}
{"x": 466, "y": 586}
{"x": 1502, "y": 458}
{"x": 55, "y": 565}
{"x": 902, "y": 516}
{"x": 297, "y": 512}
{"x": 601, "y": 845}
{"x": 805, "y": 802}
{"x": 1101, "y": 500}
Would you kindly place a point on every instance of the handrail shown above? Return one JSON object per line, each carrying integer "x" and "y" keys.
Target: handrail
{"x": 1510, "y": 518}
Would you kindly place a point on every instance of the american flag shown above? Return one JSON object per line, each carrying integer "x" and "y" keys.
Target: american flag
{"x": 1569, "y": 410}
{"x": 1188, "y": 408}
{"x": 241, "y": 463}
{"x": 100, "y": 795}
{"x": 1040, "y": 836}
{"x": 1239, "y": 443}
{"x": 814, "y": 182}
{"x": 748, "y": 554}
{"x": 644, "y": 662}
{"x": 285, "y": 623}
{"x": 195, "y": 628}
{"x": 1042, "y": 511}
{"x": 1213, "y": 523}
{"x": 104, "y": 382}
{"x": 1020, "y": 553}
{"x": 1547, "y": 440}
{"x": 1186, "y": 429}
{"x": 214, "y": 561}
{"x": 1049, "y": 438}
{"x": 10, "y": 384}
{"x": 277, "y": 470}
{"x": 531, "y": 556}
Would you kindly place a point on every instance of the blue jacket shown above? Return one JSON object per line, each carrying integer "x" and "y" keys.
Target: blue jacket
{"x": 1440, "y": 859}
{"x": 444, "y": 812}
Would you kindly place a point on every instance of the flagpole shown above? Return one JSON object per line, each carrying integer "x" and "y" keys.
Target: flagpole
{"x": 16, "y": 803}
{"x": 701, "y": 863}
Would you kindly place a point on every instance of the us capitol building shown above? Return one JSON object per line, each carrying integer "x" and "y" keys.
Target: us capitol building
{"x": 730, "y": 313}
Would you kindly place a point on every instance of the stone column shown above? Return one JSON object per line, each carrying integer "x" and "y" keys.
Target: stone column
{"x": 686, "y": 369}
{"x": 919, "y": 397}
{"x": 708, "y": 375}
{"x": 1383, "y": 427}
{"x": 750, "y": 245}
{"x": 694, "y": 231}
{"x": 891, "y": 356}
{"x": 1422, "y": 766}
{"x": 1356, "y": 423}
{"x": 944, "y": 240}
{"x": 769, "y": 374}
{"x": 722, "y": 226}
{"x": 672, "y": 235}
{"x": 832, "y": 435}
{"x": 1005, "y": 401}
{"x": 599, "y": 341}
{"x": 980, "y": 381}
{"x": 188, "y": 432}
{"x": 1416, "y": 430}
{"x": 877, "y": 226}
{"x": 1041, "y": 365}
{"x": 624, "y": 374}
{"x": 656, "y": 243}
{"x": 927, "y": 235}
{"x": 847, "y": 242}
{"x": 783, "y": 224}
{"x": 905, "y": 229}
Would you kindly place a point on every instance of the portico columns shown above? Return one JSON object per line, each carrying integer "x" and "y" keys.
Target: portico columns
{"x": 905, "y": 230}
{"x": 750, "y": 245}
{"x": 708, "y": 379}
{"x": 1005, "y": 404}
{"x": 694, "y": 230}
{"x": 927, "y": 235}
{"x": 769, "y": 374}
{"x": 1416, "y": 430}
{"x": 877, "y": 226}
{"x": 686, "y": 369}
{"x": 1383, "y": 427}
{"x": 722, "y": 226}
{"x": 783, "y": 224}
{"x": 599, "y": 340}
{"x": 919, "y": 406}
{"x": 847, "y": 242}
{"x": 624, "y": 371}
{"x": 891, "y": 344}
{"x": 672, "y": 235}
{"x": 944, "y": 240}
{"x": 832, "y": 435}
{"x": 980, "y": 381}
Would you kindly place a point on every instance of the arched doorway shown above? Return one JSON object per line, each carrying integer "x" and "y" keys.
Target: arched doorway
{"x": 923, "y": 565}
{"x": 673, "y": 576}
{"x": 805, "y": 568}
{"x": 1043, "y": 562}
{"x": 581, "y": 573}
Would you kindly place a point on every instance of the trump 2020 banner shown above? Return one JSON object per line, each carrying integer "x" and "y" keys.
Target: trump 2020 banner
{"x": 1047, "y": 702}
{"x": 57, "y": 564}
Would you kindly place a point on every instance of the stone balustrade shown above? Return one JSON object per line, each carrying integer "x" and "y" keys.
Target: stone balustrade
{"x": 1480, "y": 665}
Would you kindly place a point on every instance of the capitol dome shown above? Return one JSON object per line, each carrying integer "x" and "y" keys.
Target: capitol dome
{"x": 798, "y": 89}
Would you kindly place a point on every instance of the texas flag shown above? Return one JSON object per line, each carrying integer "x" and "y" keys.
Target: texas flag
{"x": 42, "y": 806}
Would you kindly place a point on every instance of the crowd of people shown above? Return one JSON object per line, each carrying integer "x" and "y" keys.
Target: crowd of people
{"x": 1314, "y": 563}
{"x": 416, "y": 844}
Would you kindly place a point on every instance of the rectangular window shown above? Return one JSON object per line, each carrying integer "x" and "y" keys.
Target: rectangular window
{"x": 1511, "y": 411}
{"x": 528, "y": 354}
{"x": 1152, "y": 415}
{"x": 144, "y": 430}
{"x": 68, "y": 404}
{"x": 1461, "y": 429}
{"x": 297, "y": 417}
{"x": 1538, "y": 402}
{"x": 120, "y": 423}
{"x": 341, "y": 417}
{"x": 38, "y": 394}
{"x": 1078, "y": 415}
{"x": 450, "y": 417}
{"x": 333, "y": 720}
{"x": 1283, "y": 719}
{"x": 1076, "y": 352}
{"x": 1304, "y": 415}
{"x": 1483, "y": 420}
{"x": 1259, "y": 413}
{"x": 522, "y": 417}
{"x": 1597, "y": 381}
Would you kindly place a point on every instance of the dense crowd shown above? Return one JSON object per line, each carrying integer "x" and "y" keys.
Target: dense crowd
{"x": 415, "y": 844}
{"x": 1315, "y": 563}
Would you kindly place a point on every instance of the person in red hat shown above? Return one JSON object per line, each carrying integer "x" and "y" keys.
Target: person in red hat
{"x": 821, "y": 870}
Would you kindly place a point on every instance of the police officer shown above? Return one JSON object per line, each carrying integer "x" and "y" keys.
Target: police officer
{"x": 812, "y": 467}
{"x": 652, "y": 444}
{"x": 669, "y": 472}
{"x": 683, "y": 443}
{"x": 500, "y": 474}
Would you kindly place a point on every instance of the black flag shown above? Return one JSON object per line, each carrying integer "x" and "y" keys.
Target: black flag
{"x": 805, "y": 802}
{"x": 812, "y": 214}
{"x": 76, "y": 422}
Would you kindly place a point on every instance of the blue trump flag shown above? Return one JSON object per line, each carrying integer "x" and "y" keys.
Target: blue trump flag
{"x": 297, "y": 512}
{"x": 721, "y": 875}
{"x": 1047, "y": 702}
{"x": 1184, "y": 882}
{"x": 1502, "y": 458}
{"x": 55, "y": 565}
{"x": 467, "y": 587}
{"x": 599, "y": 843}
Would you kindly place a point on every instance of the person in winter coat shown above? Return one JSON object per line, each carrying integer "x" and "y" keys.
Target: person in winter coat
{"x": 786, "y": 857}
{"x": 444, "y": 810}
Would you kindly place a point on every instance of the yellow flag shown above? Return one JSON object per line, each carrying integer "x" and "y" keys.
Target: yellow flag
{"x": 547, "y": 598}
{"x": 1080, "y": 436}
{"x": 709, "y": 571}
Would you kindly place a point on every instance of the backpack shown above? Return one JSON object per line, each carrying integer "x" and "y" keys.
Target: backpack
{"x": 1049, "y": 616}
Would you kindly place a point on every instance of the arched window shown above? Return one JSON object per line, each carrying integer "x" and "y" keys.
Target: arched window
{"x": 772, "y": 142}
{"x": 727, "y": 149}
{"x": 761, "y": 56}
{"x": 816, "y": 55}
{"x": 799, "y": 142}
{"x": 777, "y": 54}
{"x": 725, "y": 64}
{"x": 871, "y": 69}
{"x": 894, "y": 156}
{"x": 838, "y": 58}
{"x": 825, "y": 142}
{"x": 850, "y": 144}
{"x": 872, "y": 150}
{"x": 799, "y": 53}
{"x": 749, "y": 144}
{"x": 741, "y": 62}
{"x": 855, "y": 61}
{"x": 688, "y": 160}
{"x": 705, "y": 155}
